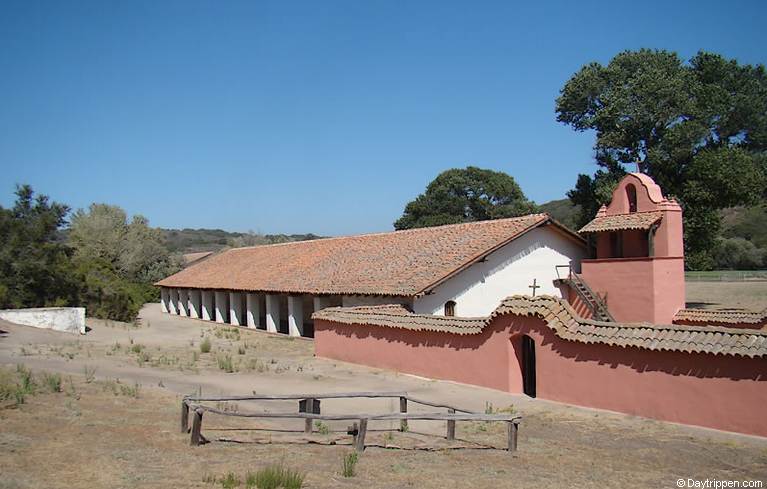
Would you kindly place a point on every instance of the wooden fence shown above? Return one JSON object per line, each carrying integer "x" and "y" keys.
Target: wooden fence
{"x": 309, "y": 410}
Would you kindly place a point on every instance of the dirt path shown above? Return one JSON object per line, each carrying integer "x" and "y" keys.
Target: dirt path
{"x": 104, "y": 438}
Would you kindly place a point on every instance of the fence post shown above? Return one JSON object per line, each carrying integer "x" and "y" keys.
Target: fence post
{"x": 403, "y": 409}
{"x": 451, "y": 426}
{"x": 307, "y": 406}
{"x": 359, "y": 442}
{"x": 196, "y": 427}
{"x": 184, "y": 416}
{"x": 513, "y": 429}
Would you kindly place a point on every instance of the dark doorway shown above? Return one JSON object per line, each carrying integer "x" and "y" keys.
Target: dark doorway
{"x": 528, "y": 366}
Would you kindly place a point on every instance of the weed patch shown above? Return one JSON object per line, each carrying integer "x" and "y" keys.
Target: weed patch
{"x": 349, "y": 467}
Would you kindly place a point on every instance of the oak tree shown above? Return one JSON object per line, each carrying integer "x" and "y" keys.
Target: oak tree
{"x": 698, "y": 128}
{"x": 466, "y": 194}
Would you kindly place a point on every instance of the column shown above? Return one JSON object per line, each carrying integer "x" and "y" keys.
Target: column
{"x": 172, "y": 301}
{"x": 253, "y": 310}
{"x": 320, "y": 303}
{"x": 222, "y": 306}
{"x": 207, "y": 305}
{"x": 182, "y": 302}
{"x": 295, "y": 315}
{"x": 272, "y": 313}
{"x": 194, "y": 303}
{"x": 164, "y": 299}
{"x": 235, "y": 309}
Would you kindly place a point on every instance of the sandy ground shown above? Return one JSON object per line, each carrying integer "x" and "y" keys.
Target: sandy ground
{"x": 99, "y": 433}
{"x": 749, "y": 295}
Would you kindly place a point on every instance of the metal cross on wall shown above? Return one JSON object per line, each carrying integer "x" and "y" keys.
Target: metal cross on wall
{"x": 534, "y": 286}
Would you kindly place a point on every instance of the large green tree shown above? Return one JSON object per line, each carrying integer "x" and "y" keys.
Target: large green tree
{"x": 134, "y": 251}
{"x": 35, "y": 267}
{"x": 466, "y": 194}
{"x": 699, "y": 128}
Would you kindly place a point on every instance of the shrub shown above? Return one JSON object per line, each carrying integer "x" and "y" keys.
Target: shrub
{"x": 52, "y": 382}
{"x": 275, "y": 476}
{"x": 230, "y": 481}
{"x": 130, "y": 390}
{"x": 106, "y": 295}
{"x": 27, "y": 380}
{"x": 225, "y": 363}
{"x": 349, "y": 465}
{"x": 322, "y": 428}
{"x": 9, "y": 389}
{"x": 205, "y": 345}
{"x": 90, "y": 374}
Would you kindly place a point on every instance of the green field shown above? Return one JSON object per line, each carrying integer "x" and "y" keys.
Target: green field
{"x": 726, "y": 275}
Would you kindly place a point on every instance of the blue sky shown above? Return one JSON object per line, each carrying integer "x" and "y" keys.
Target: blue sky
{"x": 319, "y": 116}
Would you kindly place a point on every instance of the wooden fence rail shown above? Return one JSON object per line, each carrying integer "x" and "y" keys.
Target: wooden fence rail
{"x": 309, "y": 410}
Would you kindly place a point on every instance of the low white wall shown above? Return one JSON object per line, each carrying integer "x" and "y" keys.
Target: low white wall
{"x": 67, "y": 319}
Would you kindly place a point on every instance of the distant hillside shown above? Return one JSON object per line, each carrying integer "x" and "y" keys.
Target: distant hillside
{"x": 196, "y": 240}
{"x": 563, "y": 211}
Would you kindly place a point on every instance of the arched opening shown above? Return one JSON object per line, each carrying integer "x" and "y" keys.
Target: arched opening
{"x": 631, "y": 194}
{"x": 450, "y": 308}
{"x": 528, "y": 366}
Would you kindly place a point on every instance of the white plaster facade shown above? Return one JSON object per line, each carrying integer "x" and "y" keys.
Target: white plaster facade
{"x": 479, "y": 289}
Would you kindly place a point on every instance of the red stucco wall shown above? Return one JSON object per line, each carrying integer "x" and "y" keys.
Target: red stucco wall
{"x": 638, "y": 289}
{"x": 714, "y": 391}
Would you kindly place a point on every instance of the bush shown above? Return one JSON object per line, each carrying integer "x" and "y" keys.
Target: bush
{"x": 349, "y": 465}
{"x": 225, "y": 363}
{"x": 52, "y": 382}
{"x": 205, "y": 345}
{"x": 275, "y": 476}
{"x": 230, "y": 481}
{"x": 739, "y": 254}
{"x": 106, "y": 295}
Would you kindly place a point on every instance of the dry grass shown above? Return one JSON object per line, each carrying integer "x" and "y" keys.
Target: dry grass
{"x": 103, "y": 437}
{"x": 91, "y": 430}
{"x": 718, "y": 295}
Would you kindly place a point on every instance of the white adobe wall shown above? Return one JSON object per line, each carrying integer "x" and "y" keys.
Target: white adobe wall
{"x": 479, "y": 289}
{"x": 67, "y": 319}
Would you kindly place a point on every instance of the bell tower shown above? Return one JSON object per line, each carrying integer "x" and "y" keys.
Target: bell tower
{"x": 639, "y": 265}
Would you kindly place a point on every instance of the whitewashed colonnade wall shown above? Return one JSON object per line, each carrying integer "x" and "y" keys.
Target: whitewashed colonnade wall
{"x": 276, "y": 313}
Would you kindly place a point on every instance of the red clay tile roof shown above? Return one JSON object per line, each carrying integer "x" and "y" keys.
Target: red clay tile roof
{"x": 190, "y": 258}
{"x": 722, "y": 316}
{"x": 399, "y": 263}
{"x": 566, "y": 324}
{"x": 617, "y": 222}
